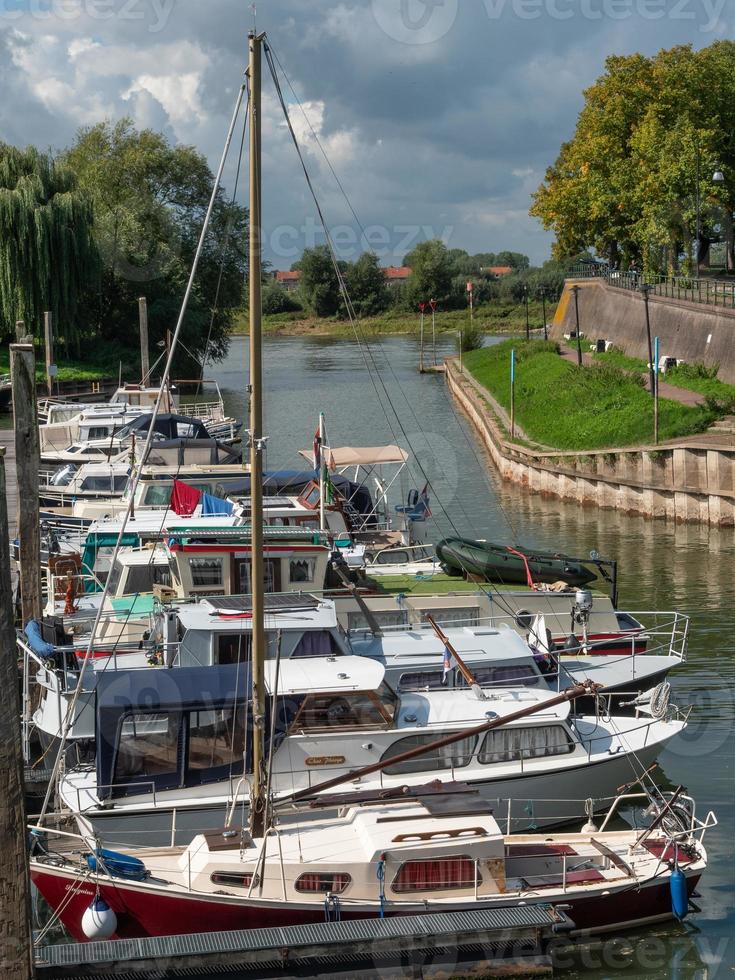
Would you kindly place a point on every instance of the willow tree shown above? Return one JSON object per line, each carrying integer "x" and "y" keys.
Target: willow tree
{"x": 47, "y": 254}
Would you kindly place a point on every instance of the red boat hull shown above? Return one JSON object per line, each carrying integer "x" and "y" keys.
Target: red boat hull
{"x": 142, "y": 911}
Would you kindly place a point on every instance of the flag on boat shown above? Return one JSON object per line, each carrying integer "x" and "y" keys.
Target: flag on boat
{"x": 448, "y": 663}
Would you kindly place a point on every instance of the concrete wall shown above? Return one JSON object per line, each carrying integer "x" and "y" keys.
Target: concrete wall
{"x": 690, "y": 331}
{"x": 676, "y": 483}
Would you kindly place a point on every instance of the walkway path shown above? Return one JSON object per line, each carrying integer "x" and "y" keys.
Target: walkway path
{"x": 7, "y": 441}
{"x": 682, "y": 395}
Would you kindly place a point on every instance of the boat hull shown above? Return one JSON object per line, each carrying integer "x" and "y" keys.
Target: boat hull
{"x": 147, "y": 910}
{"x": 495, "y": 563}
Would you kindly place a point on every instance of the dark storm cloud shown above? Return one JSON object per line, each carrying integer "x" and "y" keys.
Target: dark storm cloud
{"x": 436, "y": 113}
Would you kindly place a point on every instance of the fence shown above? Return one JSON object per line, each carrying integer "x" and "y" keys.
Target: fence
{"x": 709, "y": 292}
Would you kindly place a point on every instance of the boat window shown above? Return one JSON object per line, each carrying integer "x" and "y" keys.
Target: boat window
{"x": 113, "y": 578}
{"x": 142, "y": 578}
{"x": 453, "y": 756}
{"x": 511, "y": 744}
{"x": 302, "y": 569}
{"x": 392, "y": 558}
{"x": 331, "y": 881}
{"x": 233, "y": 648}
{"x": 316, "y": 643}
{"x": 388, "y": 699}
{"x": 157, "y": 495}
{"x": 441, "y": 875}
{"x": 63, "y": 477}
{"x": 236, "y": 878}
{"x": 353, "y": 709}
{"x": 98, "y": 432}
{"x": 311, "y": 499}
{"x": 510, "y": 675}
{"x": 206, "y": 571}
{"x": 148, "y": 745}
{"x": 216, "y": 738}
{"x": 421, "y": 680}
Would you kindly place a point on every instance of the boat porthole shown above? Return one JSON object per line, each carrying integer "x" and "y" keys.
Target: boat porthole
{"x": 524, "y": 619}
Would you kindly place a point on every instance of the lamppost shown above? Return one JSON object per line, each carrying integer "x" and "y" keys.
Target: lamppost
{"x": 646, "y": 287}
{"x": 543, "y": 307}
{"x": 575, "y": 290}
{"x": 528, "y": 328}
{"x": 717, "y": 178}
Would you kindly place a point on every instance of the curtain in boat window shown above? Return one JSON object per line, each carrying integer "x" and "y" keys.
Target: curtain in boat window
{"x": 440, "y": 875}
{"x": 453, "y": 756}
{"x": 512, "y": 744}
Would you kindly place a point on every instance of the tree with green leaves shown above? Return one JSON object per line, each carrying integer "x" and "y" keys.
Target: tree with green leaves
{"x": 431, "y": 271}
{"x": 319, "y": 286}
{"x": 649, "y": 138}
{"x": 150, "y": 198}
{"x": 47, "y": 253}
{"x": 367, "y": 286}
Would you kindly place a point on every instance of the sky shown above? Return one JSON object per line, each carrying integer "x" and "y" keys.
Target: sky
{"x": 438, "y": 116}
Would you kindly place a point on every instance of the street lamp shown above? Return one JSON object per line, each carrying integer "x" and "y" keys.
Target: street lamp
{"x": 528, "y": 328}
{"x": 575, "y": 290}
{"x": 543, "y": 307}
{"x": 717, "y": 178}
{"x": 646, "y": 288}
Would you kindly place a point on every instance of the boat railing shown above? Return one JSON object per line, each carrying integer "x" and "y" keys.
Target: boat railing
{"x": 214, "y": 410}
{"x": 663, "y": 633}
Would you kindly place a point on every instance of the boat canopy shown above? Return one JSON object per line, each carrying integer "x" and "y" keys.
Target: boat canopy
{"x": 352, "y": 456}
{"x": 166, "y": 729}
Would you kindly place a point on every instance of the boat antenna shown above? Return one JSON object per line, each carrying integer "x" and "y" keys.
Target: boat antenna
{"x": 257, "y": 442}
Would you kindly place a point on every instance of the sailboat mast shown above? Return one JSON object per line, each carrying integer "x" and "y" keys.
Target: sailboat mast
{"x": 257, "y": 796}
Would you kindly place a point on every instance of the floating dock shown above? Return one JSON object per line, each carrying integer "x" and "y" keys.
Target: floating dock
{"x": 500, "y": 942}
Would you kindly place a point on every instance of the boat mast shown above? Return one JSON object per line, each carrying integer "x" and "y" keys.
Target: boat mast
{"x": 257, "y": 794}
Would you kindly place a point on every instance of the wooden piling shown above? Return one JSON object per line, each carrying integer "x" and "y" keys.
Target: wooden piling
{"x": 27, "y": 461}
{"x": 48, "y": 333}
{"x": 16, "y": 959}
{"x": 145, "y": 361}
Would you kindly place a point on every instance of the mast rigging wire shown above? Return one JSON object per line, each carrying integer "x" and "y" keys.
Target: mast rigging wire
{"x": 136, "y": 477}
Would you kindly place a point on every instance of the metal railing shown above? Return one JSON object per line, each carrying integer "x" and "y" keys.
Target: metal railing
{"x": 709, "y": 292}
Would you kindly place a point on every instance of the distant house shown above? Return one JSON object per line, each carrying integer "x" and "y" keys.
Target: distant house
{"x": 497, "y": 271}
{"x": 395, "y": 274}
{"x": 289, "y": 280}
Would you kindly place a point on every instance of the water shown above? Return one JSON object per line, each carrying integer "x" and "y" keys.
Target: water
{"x": 689, "y": 568}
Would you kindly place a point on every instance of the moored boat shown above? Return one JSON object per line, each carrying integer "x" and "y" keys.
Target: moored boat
{"x": 506, "y": 564}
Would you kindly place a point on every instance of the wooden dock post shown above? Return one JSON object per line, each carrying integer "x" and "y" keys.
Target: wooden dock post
{"x": 27, "y": 461}
{"x": 48, "y": 333}
{"x": 16, "y": 957}
{"x": 145, "y": 361}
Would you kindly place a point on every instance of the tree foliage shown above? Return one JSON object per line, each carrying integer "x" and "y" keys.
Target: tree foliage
{"x": 47, "y": 254}
{"x": 149, "y": 201}
{"x": 625, "y": 185}
{"x": 367, "y": 286}
{"x": 431, "y": 271}
{"x": 319, "y": 286}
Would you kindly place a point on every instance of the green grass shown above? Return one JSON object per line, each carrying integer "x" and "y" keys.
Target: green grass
{"x": 102, "y": 362}
{"x": 494, "y": 317}
{"x": 566, "y": 407}
{"x": 692, "y": 377}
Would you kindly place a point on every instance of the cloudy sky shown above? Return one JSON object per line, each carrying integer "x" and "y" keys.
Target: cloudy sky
{"x": 439, "y": 116}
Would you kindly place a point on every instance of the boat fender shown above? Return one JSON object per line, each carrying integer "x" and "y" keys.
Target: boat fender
{"x": 117, "y": 865}
{"x": 679, "y": 895}
{"x": 99, "y": 920}
{"x": 36, "y": 641}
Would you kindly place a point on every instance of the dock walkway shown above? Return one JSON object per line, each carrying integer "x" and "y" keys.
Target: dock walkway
{"x": 7, "y": 442}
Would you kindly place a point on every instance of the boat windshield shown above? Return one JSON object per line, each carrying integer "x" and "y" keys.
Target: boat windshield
{"x": 63, "y": 476}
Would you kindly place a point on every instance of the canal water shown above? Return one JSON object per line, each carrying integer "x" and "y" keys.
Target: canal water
{"x": 374, "y": 395}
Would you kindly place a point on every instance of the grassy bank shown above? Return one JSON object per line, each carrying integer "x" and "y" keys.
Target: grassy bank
{"x": 497, "y": 318}
{"x": 97, "y": 363}
{"x": 693, "y": 377}
{"x": 566, "y": 407}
